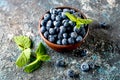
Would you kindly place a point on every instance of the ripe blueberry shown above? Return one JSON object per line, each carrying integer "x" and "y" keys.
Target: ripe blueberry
{"x": 64, "y": 41}
{"x": 78, "y": 39}
{"x": 85, "y": 67}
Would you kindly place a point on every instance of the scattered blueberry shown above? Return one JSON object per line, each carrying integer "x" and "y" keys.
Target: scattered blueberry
{"x": 47, "y": 16}
{"x": 102, "y": 24}
{"x": 85, "y": 67}
{"x": 51, "y": 31}
{"x": 72, "y": 74}
{"x": 64, "y": 41}
{"x": 71, "y": 40}
{"x": 74, "y": 35}
{"x": 83, "y": 52}
{"x": 60, "y": 63}
{"x": 78, "y": 39}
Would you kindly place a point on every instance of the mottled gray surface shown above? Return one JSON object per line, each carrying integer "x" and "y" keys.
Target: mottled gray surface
{"x": 20, "y": 17}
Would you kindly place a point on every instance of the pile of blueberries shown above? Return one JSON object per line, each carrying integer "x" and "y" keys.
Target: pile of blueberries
{"x": 58, "y": 29}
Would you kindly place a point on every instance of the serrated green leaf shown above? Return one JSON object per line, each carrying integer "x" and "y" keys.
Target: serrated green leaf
{"x": 44, "y": 58}
{"x": 71, "y": 16}
{"x": 23, "y": 42}
{"x": 40, "y": 50}
{"x": 32, "y": 66}
{"x": 23, "y": 58}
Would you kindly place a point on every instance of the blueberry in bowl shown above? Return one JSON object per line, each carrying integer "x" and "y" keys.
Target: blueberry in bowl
{"x": 59, "y": 32}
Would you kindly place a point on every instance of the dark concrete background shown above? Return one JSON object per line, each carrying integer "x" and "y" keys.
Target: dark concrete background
{"x": 20, "y": 17}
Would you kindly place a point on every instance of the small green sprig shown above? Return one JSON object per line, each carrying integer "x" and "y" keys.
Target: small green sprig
{"x": 79, "y": 21}
{"x": 24, "y": 44}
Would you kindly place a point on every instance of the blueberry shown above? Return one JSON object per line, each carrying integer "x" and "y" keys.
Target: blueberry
{"x": 58, "y": 18}
{"x": 59, "y": 10}
{"x": 42, "y": 29}
{"x": 54, "y": 11}
{"x": 65, "y": 20}
{"x": 63, "y": 15}
{"x": 59, "y": 42}
{"x": 74, "y": 35}
{"x": 51, "y": 31}
{"x": 66, "y": 24}
{"x": 71, "y": 73}
{"x": 65, "y": 35}
{"x": 82, "y": 31}
{"x": 51, "y": 38}
{"x": 66, "y": 10}
{"x": 75, "y": 29}
{"x": 78, "y": 39}
{"x": 53, "y": 16}
{"x": 85, "y": 67}
{"x": 60, "y": 36}
{"x": 46, "y": 34}
{"x": 62, "y": 29}
{"x": 47, "y": 16}
{"x": 49, "y": 24}
{"x": 69, "y": 29}
{"x": 72, "y": 11}
{"x": 64, "y": 41}
{"x": 51, "y": 10}
{"x": 56, "y": 23}
{"x": 102, "y": 24}
{"x": 71, "y": 41}
{"x": 56, "y": 29}
{"x": 43, "y": 22}
{"x": 60, "y": 63}
{"x": 72, "y": 23}
{"x": 83, "y": 52}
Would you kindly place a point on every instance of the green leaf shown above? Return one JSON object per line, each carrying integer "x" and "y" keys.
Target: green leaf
{"x": 23, "y": 58}
{"x": 44, "y": 58}
{"x": 71, "y": 17}
{"x": 84, "y": 21}
{"x": 40, "y": 50}
{"x": 32, "y": 66}
{"x": 23, "y": 42}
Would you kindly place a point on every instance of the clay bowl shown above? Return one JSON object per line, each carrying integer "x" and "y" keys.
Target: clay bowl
{"x": 63, "y": 48}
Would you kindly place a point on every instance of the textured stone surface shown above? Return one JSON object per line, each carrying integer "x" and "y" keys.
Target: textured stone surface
{"x": 20, "y": 17}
